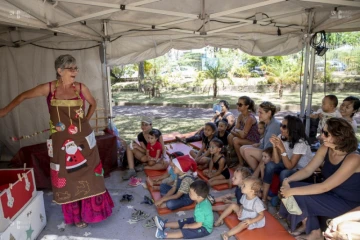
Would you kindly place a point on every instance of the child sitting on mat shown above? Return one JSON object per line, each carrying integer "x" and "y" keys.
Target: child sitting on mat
{"x": 177, "y": 195}
{"x": 167, "y": 178}
{"x": 250, "y": 213}
{"x": 240, "y": 174}
{"x": 153, "y": 149}
{"x": 202, "y": 156}
{"x": 261, "y": 131}
{"x": 222, "y": 132}
{"x": 266, "y": 157}
{"x": 199, "y": 226}
{"x": 221, "y": 174}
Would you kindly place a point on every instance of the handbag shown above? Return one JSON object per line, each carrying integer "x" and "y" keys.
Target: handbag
{"x": 291, "y": 205}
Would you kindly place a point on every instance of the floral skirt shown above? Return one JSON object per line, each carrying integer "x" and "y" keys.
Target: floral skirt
{"x": 90, "y": 210}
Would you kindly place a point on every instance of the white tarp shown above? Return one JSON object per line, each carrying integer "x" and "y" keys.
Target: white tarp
{"x": 136, "y": 30}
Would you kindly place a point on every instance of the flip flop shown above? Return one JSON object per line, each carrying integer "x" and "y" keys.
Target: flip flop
{"x": 148, "y": 200}
{"x": 149, "y": 223}
{"x": 222, "y": 236}
{"x": 81, "y": 224}
{"x": 139, "y": 215}
{"x": 126, "y": 198}
{"x": 221, "y": 223}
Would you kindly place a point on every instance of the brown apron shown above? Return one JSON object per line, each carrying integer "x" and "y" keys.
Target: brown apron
{"x": 76, "y": 170}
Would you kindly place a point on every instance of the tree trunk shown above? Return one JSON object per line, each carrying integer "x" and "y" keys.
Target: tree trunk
{"x": 215, "y": 88}
{"x": 141, "y": 76}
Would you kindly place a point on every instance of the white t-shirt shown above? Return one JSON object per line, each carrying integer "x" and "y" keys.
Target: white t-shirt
{"x": 300, "y": 148}
{"x": 354, "y": 125}
{"x": 325, "y": 117}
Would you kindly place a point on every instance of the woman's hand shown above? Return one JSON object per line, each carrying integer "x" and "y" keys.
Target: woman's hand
{"x": 286, "y": 191}
{"x": 276, "y": 142}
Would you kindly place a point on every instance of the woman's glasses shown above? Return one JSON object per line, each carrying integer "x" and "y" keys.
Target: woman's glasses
{"x": 239, "y": 104}
{"x": 75, "y": 69}
{"x": 326, "y": 133}
{"x": 283, "y": 126}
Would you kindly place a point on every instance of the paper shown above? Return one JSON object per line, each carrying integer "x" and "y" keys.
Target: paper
{"x": 291, "y": 205}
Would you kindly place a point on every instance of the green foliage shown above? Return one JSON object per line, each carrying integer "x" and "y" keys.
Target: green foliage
{"x": 200, "y": 77}
{"x": 216, "y": 71}
{"x": 336, "y": 40}
{"x": 242, "y": 72}
{"x": 270, "y": 80}
{"x": 190, "y": 59}
{"x": 254, "y": 75}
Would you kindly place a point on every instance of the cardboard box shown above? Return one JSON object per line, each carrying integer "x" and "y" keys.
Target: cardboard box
{"x": 29, "y": 223}
{"x": 17, "y": 188}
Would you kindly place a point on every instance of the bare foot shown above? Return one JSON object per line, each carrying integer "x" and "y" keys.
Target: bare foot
{"x": 224, "y": 236}
{"x": 149, "y": 181}
{"x": 230, "y": 183}
{"x": 218, "y": 223}
{"x": 299, "y": 231}
{"x": 314, "y": 235}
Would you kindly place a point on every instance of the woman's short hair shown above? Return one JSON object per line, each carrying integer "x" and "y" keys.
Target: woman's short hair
{"x": 296, "y": 130}
{"x": 268, "y": 106}
{"x": 64, "y": 61}
{"x": 343, "y": 134}
{"x": 248, "y": 102}
{"x": 356, "y": 103}
{"x": 226, "y": 104}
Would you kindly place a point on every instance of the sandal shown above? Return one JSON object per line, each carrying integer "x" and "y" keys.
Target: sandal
{"x": 149, "y": 223}
{"x": 139, "y": 215}
{"x": 211, "y": 199}
{"x": 223, "y": 236}
{"x": 126, "y": 198}
{"x": 81, "y": 224}
{"x": 148, "y": 200}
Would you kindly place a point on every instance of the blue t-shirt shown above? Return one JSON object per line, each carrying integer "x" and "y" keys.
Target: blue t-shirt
{"x": 273, "y": 127}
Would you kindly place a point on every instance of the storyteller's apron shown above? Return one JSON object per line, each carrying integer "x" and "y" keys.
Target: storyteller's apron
{"x": 75, "y": 166}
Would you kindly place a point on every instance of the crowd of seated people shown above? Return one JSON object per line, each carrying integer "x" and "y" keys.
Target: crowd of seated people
{"x": 265, "y": 147}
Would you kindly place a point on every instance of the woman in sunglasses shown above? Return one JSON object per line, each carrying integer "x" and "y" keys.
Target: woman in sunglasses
{"x": 245, "y": 131}
{"x": 253, "y": 155}
{"x": 291, "y": 152}
{"x": 138, "y": 150}
{"x": 74, "y": 158}
{"x": 340, "y": 190}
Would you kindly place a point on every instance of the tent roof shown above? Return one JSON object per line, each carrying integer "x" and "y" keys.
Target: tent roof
{"x": 139, "y": 30}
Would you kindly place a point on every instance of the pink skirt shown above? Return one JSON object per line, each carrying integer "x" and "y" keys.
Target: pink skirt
{"x": 89, "y": 210}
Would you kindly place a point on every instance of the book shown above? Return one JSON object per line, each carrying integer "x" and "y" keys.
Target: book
{"x": 291, "y": 205}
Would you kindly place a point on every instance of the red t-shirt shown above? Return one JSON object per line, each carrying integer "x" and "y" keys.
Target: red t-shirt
{"x": 153, "y": 149}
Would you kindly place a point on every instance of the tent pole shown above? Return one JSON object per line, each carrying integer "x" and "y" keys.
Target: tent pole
{"x": 306, "y": 69}
{"x": 106, "y": 73}
{"x": 310, "y": 91}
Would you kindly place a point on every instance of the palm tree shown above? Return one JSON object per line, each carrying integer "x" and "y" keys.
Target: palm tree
{"x": 216, "y": 71}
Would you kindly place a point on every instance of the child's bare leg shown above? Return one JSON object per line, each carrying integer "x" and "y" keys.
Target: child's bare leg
{"x": 220, "y": 207}
{"x": 156, "y": 188}
{"x": 157, "y": 166}
{"x": 192, "y": 154}
{"x": 150, "y": 181}
{"x": 176, "y": 234}
{"x": 240, "y": 227}
{"x": 172, "y": 225}
{"x": 232, "y": 208}
{"x": 220, "y": 181}
{"x": 144, "y": 159}
{"x": 215, "y": 180}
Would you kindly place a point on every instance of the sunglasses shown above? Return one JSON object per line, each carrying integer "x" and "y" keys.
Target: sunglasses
{"x": 283, "y": 126}
{"x": 326, "y": 133}
{"x": 75, "y": 69}
{"x": 240, "y": 104}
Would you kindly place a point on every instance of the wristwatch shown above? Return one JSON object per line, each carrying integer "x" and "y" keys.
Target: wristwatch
{"x": 284, "y": 154}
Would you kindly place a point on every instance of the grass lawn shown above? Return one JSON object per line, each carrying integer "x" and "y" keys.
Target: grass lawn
{"x": 129, "y": 126}
{"x": 187, "y": 97}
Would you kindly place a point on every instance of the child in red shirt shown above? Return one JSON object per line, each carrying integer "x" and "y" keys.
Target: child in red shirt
{"x": 153, "y": 149}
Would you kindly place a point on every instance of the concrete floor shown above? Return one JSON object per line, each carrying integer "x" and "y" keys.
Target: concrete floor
{"x": 116, "y": 226}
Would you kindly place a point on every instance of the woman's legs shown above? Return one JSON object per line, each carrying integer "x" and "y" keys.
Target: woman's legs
{"x": 230, "y": 140}
{"x": 130, "y": 154}
{"x": 238, "y": 142}
{"x": 251, "y": 155}
{"x": 270, "y": 169}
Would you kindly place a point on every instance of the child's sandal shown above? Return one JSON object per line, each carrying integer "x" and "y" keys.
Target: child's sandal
{"x": 219, "y": 224}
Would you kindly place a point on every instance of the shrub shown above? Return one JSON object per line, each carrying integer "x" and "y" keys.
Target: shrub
{"x": 270, "y": 80}
{"x": 254, "y": 75}
{"x": 241, "y": 72}
{"x": 131, "y": 86}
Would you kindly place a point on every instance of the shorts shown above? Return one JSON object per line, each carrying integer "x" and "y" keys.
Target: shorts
{"x": 192, "y": 233}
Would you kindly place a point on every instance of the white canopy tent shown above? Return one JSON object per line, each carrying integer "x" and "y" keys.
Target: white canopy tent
{"x": 114, "y": 32}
